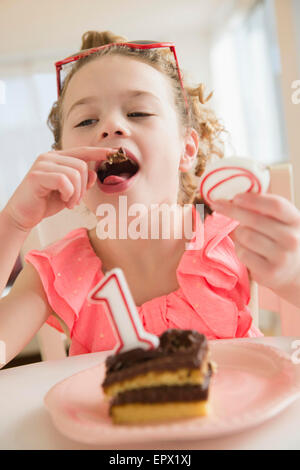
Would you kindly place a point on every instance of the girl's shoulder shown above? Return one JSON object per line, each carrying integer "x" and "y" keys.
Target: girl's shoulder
{"x": 65, "y": 260}
{"x": 75, "y": 237}
{"x": 67, "y": 269}
{"x": 74, "y": 244}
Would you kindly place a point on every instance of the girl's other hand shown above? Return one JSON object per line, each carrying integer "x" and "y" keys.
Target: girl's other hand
{"x": 267, "y": 240}
{"x": 56, "y": 180}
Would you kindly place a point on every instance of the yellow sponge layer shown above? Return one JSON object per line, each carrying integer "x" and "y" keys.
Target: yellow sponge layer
{"x": 155, "y": 379}
{"x": 136, "y": 413}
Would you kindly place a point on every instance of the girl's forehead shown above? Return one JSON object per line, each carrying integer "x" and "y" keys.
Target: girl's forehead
{"x": 116, "y": 73}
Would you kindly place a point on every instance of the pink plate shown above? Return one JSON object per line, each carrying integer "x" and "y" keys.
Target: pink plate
{"x": 253, "y": 383}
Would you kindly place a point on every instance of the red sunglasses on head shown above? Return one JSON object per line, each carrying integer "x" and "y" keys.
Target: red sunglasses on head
{"x": 133, "y": 45}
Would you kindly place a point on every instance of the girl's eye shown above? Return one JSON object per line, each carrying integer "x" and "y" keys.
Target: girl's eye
{"x": 137, "y": 114}
{"x": 86, "y": 122}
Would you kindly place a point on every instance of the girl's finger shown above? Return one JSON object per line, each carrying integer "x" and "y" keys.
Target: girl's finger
{"x": 256, "y": 242}
{"x": 71, "y": 173}
{"x": 72, "y": 162}
{"x": 48, "y": 182}
{"x": 271, "y": 205}
{"x": 257, "y": 265}
{"x": 92, "y": 178}
{"x": 277, "y": 231}
{"x": 88, "y": 154}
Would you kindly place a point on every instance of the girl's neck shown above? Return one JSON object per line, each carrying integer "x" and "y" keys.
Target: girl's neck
{"x": 144, "y": 255}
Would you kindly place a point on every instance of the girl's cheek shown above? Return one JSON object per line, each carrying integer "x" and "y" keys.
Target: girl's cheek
{"x": 91, "y": 199}
{"x": 69, "y": 137}
{"x": 64, "y": 140}
{"x": 70, "y": 140}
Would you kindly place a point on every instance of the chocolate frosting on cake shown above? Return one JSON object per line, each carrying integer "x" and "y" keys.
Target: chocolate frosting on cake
{"x": 164, "y": 394}
{"x": 177, "y": 349}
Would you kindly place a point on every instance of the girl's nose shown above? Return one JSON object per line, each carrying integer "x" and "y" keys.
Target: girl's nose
{"x": 113, "y": 128}
{"x": 107, "y": 134}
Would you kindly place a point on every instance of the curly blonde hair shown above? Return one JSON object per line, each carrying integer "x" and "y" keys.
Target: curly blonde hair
{"x": 200, "y": 116}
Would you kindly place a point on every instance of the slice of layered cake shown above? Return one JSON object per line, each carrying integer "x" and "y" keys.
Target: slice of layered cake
{"x": 169, "y": 382}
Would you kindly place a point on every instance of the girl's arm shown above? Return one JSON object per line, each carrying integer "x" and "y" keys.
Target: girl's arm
{"x": 56, "y": 180}
{"x": 12, "y": 239}
{"x": 22, "y": 312}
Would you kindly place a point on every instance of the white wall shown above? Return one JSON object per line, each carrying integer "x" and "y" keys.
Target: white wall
{"x": 52, "y": 28}
{"x": 296, "y": 23}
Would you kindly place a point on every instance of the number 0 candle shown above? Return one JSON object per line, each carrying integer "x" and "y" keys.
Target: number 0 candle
{"x": 223, "y": 179}
{"x": 113, "y": 293}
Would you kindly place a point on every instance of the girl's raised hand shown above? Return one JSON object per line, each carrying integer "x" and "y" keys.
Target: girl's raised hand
{"x": 56, "y": 180}
{"x": 267, "y": 240}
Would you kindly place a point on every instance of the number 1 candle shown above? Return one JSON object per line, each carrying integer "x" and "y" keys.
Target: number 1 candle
{"x": 113, "y": 293}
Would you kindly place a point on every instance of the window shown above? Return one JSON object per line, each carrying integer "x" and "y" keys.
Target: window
{"x": 24, "y": 132}
{"x": 245, "y": 69}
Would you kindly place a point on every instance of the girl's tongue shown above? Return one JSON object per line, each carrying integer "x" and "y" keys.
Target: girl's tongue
{"x": 116, "y": 179}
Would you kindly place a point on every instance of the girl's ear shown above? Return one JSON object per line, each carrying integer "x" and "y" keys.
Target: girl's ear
{"x": 191, "y": 144}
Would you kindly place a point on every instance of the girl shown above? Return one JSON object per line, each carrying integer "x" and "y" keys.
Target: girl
{"x": 125, "y": 96}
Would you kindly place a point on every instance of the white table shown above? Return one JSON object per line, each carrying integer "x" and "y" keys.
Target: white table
{"x": 26, "y": 424}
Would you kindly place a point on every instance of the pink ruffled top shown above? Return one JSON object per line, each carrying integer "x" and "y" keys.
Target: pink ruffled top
{"x": 212, "y": 298}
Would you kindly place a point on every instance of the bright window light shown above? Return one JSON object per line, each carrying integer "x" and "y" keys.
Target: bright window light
{"x": 24, "y": 132}
{"x": 245, "y": 80}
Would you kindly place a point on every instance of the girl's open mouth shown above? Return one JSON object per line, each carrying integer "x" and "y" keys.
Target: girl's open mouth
{"x": 117, "y": 172}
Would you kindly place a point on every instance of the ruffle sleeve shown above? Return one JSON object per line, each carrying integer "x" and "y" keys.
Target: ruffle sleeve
{"x": 67, "y": 269}
{"x": 216, "y": 282}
